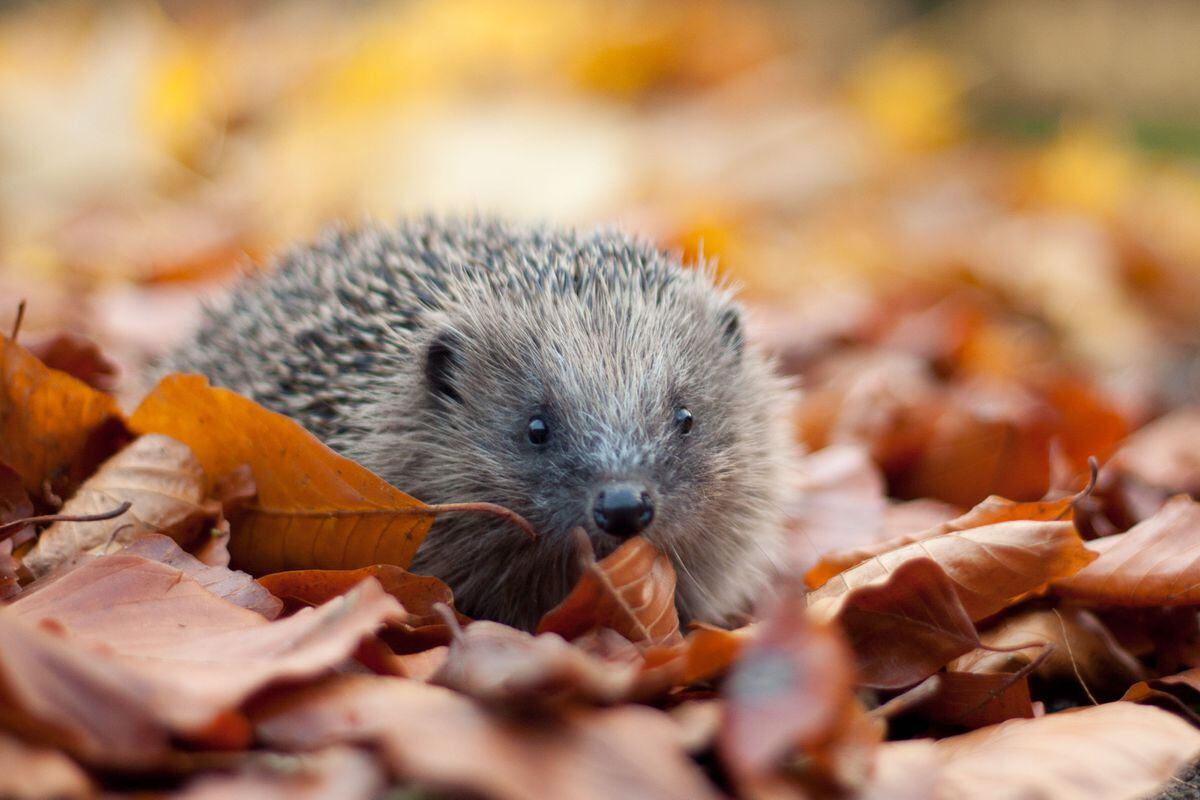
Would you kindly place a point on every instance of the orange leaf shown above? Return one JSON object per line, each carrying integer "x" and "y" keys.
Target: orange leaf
{"x": 631, "y": 591}
{"x": 52, "y": 427}
{"x": 992, "y": 567}
{"x": 315, "y": 509}
{"x": 992, "y": 510}
{"x": 1154, "y": 563}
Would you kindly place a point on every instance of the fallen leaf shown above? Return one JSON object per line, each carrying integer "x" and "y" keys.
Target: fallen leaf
{"x": 790, "y": 690}
{"x": 1115, "y": 750}
{"x": 158, "y": 475}
{"x": 1154, "y": 563}
{"x": 121, "y": 656}
{"x": 1084, "y": 659}
{"x": 440, "y": 739}
{"x": 344, "y": 773}
{"x": 53, "y": 428}
{"x": 314, "y": 510}
{"x": 978, "y": 699}
{"x": 503, "y": 667}
{"x": 631, "y": 591}
{"x": 236, "y": 587}
{"x": 837, "y": 502}
{"x": 28, "y": 772}
{"x": 79, "y": 357}
{"x": 992, "y": 567}
{"x": 419, "y": 594}
{"x": 992, "y": 510}
{"x": 903, "y": 626}
{"x": 1165, "y": 453}
{"x": 906, "y": 770}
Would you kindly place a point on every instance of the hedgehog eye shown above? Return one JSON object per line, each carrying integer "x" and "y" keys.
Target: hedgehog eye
{"x": 684, "y": 420}
{"x": 538, "y": 430}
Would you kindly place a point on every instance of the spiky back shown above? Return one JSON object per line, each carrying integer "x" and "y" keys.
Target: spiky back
{"x": 312, "y": 335}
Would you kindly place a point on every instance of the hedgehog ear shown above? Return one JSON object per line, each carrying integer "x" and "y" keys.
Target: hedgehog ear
{"x": 731, "y": 329}
{"x": 441, "y": 360}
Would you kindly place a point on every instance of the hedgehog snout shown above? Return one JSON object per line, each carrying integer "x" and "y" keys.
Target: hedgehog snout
{"x": 623, "y": 509}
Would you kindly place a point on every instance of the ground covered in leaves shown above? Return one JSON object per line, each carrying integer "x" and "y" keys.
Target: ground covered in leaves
{"x": 1019, "y": 648}
{"x": 199, "y": 599}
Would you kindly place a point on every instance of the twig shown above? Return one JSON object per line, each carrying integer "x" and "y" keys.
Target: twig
{"x": 493, "y": 509}
{"x": 16, "y": 328}
{"x": 11, "y": 527}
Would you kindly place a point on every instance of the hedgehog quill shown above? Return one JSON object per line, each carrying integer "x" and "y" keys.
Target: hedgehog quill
{"x": 579, "y": 379}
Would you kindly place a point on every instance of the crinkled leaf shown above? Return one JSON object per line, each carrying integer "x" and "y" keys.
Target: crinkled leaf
{"x": 631, "y": 591}
{"x": 53, "y": 428}
{"x": 441, "y": 739}
{"x": 156, "y": 474}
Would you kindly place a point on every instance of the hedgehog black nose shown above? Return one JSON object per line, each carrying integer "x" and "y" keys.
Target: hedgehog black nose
{"x": 623, "y": 510}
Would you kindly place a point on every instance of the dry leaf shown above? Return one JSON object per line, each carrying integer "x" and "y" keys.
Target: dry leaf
{"x": 34, "y": 773}
{"x": 435, "y": 737}
{"x": 334, "y": 773}
{"x": 236, "y": 587}
{"x": 504, "y": 667}
{"x": 1154, "y": 563}
{"x": 1116, "y": 750}
{"x": 53, "y": 428}
{"x": 79, "y": 357}
{"x": 119, "y": 657}
{"x": 314, "y": 510}
{"x": 903, "y": 626}
{"x": 992, "y": 510}
{"x": 992, "y": 567}
{"x": 158, "y": 475}
{"x": 631, "y": 591}
{"x": 791, "y": 690}
{"x": 1084, "y": 658}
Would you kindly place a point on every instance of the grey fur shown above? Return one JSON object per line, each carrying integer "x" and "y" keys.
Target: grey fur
{"x": 603, "y": 334}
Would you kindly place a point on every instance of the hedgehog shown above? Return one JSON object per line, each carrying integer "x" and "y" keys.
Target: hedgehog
{"x": 581, "y": 379}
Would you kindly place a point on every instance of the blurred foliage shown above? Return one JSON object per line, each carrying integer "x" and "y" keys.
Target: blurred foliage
{"x": 828, "y": 155}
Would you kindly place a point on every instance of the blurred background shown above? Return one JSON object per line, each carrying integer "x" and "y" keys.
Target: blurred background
{"x": 969, "y": 223}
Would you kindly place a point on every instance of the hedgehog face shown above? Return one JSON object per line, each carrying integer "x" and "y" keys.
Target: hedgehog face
{"x": 626, "y": 417}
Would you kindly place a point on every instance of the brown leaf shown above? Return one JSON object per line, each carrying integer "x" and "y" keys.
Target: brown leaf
{"x": 53, "y": 428}
{"x": 1165, "y": 453}
{"x": 992, "y": 510}
{"x": 1154, "y": 563}
{"x": 1083, "y": 651}
{"x": 419, "y": 594}
{"x": 30, "y": 773}
{"x": 705, "y": 653}
{"x": 503, "y": 667}
{"x": 837, "y": 502}
{"x": 978, "y": 699}
{"x": 79, "y": 357}
{"x": 1179, "y": 694}
{"x": 120, "y": 656}
{"x": 440, "y": 739}
{"x": 344, "y": 773}
{"x": 903, "y": 626}
{"x": 631, "y": 591}
{"x": 791, "y": 689}
{"x": 315, "y": 509}
{"x": 236, "y": 587}
{"x": 1117, "y": 750}
{"x": 906, "y": 770}
{"x": 992, "y": 567}
{"x": 158, "y": 475}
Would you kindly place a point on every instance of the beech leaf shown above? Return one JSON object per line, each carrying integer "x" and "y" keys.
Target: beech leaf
{"x": 314, "y": 510}
{"x": 158, "y": 475}
{"x": 631, "y": 591}
{"x": 992, "y": 567}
